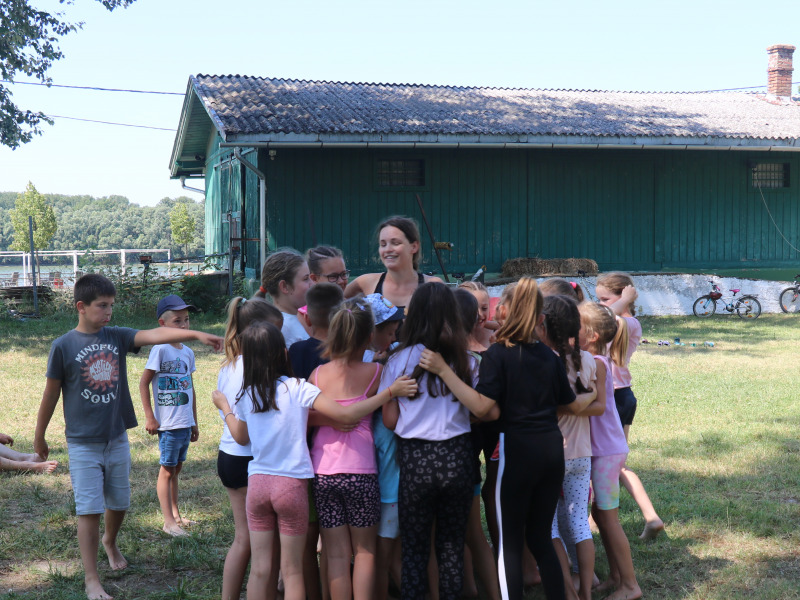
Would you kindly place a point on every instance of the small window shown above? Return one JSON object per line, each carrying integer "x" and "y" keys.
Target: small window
{"x": 401, "y": 173}
{"x": 771, "y": 175}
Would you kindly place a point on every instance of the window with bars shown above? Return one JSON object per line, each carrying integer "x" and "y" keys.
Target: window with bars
{"x": 401, "y": 173}
{"x": 770, "y": 175}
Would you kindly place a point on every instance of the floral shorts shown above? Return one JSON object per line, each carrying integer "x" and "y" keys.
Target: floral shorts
{"x": 347, "y": 499}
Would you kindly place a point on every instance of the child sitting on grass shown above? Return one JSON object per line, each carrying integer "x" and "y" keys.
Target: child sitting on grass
{"x": 169, "y": 370}
{"x": 87, "y": 365}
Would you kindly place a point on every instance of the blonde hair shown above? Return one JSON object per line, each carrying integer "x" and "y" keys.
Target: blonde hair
{"x": 615, "y": 282}
{"x": 350, "y": 329}
{"x": 524, "y": 311}
{"x": 242, "y": 312}
{"x": 473, "y": 286}
{"x": 610, "y": 329}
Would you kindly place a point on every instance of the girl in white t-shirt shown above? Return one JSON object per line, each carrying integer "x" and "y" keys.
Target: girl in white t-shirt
{"x": 286, "y": 278}
{"x": 346, "y": 491}
{"x": 233, "y": 458}
{"x": 616, "y": 290}
{"x": 272, "y": 415}
{"x": 434, "y": 448}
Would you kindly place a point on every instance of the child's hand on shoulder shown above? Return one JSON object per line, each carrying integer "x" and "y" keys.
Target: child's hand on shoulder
{"x": 151, "y": 425}
{"x": 403, "y": 387}
{"x": 195, "y": 434}
{"x": 432, "y": 362}
{"x": 220, "y": 401}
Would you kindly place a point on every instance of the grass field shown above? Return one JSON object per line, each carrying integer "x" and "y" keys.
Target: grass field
{"x": 716, "y": 441}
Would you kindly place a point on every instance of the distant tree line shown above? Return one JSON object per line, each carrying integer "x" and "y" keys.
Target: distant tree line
{"x": 112, "y": 223}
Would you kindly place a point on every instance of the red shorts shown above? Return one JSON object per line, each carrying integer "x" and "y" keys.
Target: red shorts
{"x": 272, "y": 498}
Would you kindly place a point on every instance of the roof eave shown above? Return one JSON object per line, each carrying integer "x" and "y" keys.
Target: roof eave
{"x": 393, "y": 140}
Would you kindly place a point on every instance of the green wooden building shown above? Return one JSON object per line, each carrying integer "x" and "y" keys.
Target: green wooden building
{"x": 635, "y": 181}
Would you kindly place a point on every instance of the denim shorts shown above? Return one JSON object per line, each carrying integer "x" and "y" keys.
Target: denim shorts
{"x": 100, "y": 474}
{"x": 173, "y": 445}
{"x": 389, "y": 526}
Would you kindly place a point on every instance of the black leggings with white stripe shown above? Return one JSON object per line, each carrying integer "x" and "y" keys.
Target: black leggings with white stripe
{"x": 529, "y": 481}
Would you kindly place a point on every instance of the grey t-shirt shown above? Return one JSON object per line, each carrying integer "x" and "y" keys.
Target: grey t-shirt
{"x": 94, "y": 382}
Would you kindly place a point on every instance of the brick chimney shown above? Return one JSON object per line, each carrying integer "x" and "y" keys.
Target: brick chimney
{"x": 779, "y": 71}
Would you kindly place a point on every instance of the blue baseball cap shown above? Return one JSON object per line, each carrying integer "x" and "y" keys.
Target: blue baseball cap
{"x": 172, "y": 302}
{"x": 383, "y": 310}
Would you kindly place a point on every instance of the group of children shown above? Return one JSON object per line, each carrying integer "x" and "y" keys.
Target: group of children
{"x": 386, "y": 413}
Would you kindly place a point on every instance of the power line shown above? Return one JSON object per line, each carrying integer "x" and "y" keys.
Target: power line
{"x": 86, "y": 87}
{"x": 110, "y": 123}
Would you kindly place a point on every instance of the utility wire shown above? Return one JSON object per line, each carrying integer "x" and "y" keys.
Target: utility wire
{"x": 110, "y": 123}
{"x": 771, "y": 218}
{"x": 95, "y": 89}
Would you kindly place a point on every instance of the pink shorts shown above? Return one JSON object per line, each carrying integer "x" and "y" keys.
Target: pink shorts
{"x": 272, "y": 498}
{"x": 605, "y": 480}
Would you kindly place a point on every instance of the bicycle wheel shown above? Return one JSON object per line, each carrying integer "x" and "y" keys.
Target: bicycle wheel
{"x": 704, "y": 306}
{"x": 790, "y": 300}
{"x": 748, "y": 307}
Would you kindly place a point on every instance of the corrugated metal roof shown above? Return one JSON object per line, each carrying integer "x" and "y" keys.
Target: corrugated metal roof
{"x": 242, "y": 105}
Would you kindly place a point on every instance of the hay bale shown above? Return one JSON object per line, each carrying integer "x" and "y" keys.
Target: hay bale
{"x": 547, "y": 267}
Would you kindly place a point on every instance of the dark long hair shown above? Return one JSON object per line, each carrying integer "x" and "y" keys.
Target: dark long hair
{"x": 563, "y": 322}
{"x": 265, "y": 361}
{"x": 433, "y": 320}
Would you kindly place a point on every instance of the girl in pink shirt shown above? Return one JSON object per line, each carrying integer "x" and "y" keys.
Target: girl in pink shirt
{"x": 346, "y": 491}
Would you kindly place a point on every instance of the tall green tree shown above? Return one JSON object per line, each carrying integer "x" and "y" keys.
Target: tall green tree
{"x": 182, "y": 225}
{"x": 29, "y": 46}
{"x": 32, "y": 203}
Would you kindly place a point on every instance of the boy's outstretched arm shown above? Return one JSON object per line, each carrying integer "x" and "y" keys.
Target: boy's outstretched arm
{"x": 52, "y": 391}
{"x": 169, "y": 335}
{"x": 151, "y": 425}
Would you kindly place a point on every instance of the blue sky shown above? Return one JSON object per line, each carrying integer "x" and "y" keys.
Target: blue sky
{"x": 156, "y": 44}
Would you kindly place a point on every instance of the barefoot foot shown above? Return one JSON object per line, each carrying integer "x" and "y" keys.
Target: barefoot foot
{"x": 116, "y": 561}
{"x": 95, "y": 591}
{"x": 626, "y": 593}
{"x": 651, "y": 530}
{"x": 184, "y": 522}
{"x": 47, "y": 466}
{"x": 175, "y": 531}
{"x": 606, "y": 586}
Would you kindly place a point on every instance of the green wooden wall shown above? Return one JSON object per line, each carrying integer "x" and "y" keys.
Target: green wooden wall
{"x": 626, "y": 209}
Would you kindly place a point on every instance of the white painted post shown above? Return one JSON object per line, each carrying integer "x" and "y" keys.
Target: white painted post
{"x": 122, "y": 259}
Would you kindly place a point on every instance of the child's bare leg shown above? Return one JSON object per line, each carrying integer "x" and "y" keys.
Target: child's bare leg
{"x": 167, "y": 480}
{"x": 310, "y": 566}
{"x": 482, "y": 557}
{"x": 88, "y": 542}
{"x": 619, "y": 555}
{"x": 585, "y": 551}
{"x": 385, "y": 558}
{"x": 292, "y": 566}
{"x": 239, "y": 554}
{"x": 338, "y": 549}
{"x": 261, "y": 544}
{"x": 113, "y": 523}
{"x": 653, "y": 523}
{"x": 563, "y": 560}
{"x": 470, "y": 587}
{"x": 37, "y": 466}
{"x": 364, "y": 542}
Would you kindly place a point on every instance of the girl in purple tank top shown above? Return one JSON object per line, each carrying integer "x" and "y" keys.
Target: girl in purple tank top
{"x": 600, "y": 329}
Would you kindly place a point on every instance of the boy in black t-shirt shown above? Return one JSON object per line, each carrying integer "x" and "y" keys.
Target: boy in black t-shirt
{"x": 321, "y": 300}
